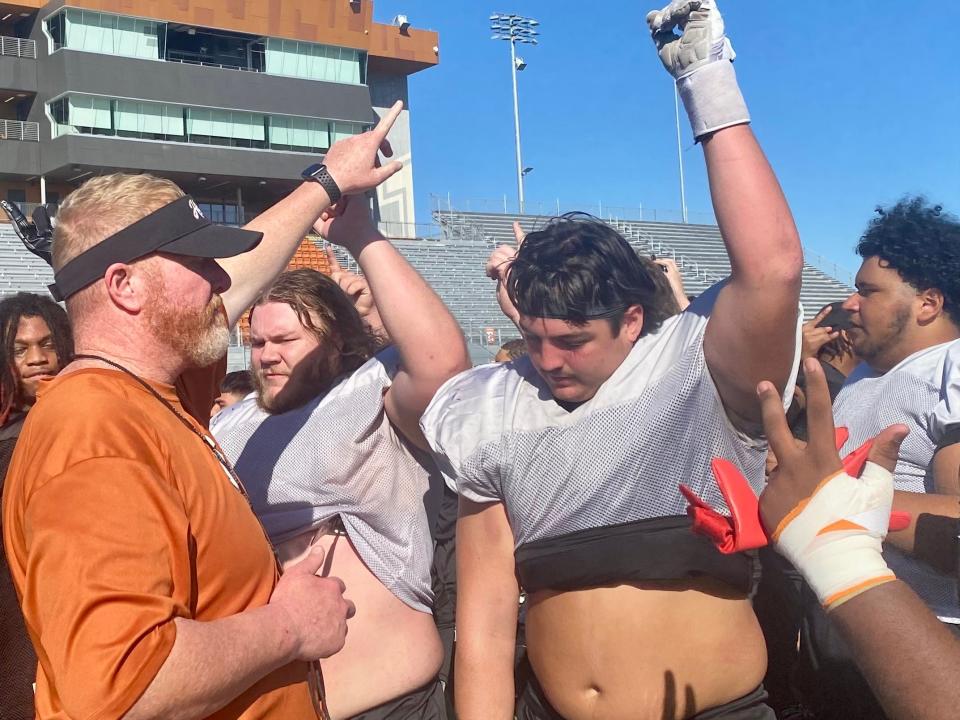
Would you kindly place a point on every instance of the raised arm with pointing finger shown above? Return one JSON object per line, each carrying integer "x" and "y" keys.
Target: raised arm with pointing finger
{"x": 352, "y": 164}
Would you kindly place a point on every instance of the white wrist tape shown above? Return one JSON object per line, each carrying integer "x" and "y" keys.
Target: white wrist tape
{"x": 712, "y": 98}
{"x": 834, "y": 537}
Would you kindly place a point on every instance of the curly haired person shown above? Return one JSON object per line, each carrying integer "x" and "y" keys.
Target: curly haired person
{"x": 905, "y": 319}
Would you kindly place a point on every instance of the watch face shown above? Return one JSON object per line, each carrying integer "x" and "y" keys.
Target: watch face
{"x": 311, "y": 172}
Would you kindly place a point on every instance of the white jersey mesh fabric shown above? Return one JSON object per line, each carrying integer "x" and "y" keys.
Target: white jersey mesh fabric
{"x": 657, "y": 421}
{"x": 909, "y": 393}
{"x": 339, "y": 455}
{"x": 946, "y": 415}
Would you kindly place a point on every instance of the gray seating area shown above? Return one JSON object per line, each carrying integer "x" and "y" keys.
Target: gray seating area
{"x": 20, "y": 270}
{"x": 453, "y": 265}
{"x": 697, "y": 249}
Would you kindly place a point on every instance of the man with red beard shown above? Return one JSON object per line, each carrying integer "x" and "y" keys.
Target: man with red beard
{"x": 333, "y": 457}
{"x": 148, "y": 588}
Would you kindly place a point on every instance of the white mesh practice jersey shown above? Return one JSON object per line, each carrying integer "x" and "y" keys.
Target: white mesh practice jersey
{"x": 909, "y": 393}
{"x": 339, "y": 455}
{"x": 946, "y": 415}
{"x": 619, "y": 457}
{"x": 913, "y": 393}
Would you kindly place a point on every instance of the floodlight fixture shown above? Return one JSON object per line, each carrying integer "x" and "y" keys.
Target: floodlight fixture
{"x": 516, "y": 29}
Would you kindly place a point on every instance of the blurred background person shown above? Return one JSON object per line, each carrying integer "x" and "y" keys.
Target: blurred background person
{"x": 36, "y": 340}
{"x": 234, "y": 387}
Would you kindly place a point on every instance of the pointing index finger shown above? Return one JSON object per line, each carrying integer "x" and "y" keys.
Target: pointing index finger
{"x": 518, "y": 233}
{"x": 387, "y": 121}
{"x": 332, "y": 260}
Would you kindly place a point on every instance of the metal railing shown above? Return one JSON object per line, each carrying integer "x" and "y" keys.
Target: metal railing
{"x": 19, "y": 130}
{"x": 410, "y": 231}
{"x": 18, "y": 47}
{"x": 828, "y": 267}
{"x": 204, "y": 63}
{"x": 552, "y": 208}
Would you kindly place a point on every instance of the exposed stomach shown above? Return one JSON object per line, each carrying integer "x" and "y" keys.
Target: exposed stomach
{"x": 391, "y": 649}
{"x": 644, "y": 651}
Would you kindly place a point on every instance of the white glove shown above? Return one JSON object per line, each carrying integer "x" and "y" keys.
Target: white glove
{"x": 701, "y": 61}
{"x": 834, "y": 537}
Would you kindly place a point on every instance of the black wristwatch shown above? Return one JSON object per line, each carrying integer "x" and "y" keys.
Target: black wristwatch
{"x": 319, "y": 173}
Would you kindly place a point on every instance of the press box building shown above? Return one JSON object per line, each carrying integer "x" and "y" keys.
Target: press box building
{"x": 231, "y": 99}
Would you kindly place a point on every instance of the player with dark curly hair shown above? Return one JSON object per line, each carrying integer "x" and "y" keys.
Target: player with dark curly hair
{"x": 36, "y": 340}
{"x": 28, "y": 361}
{"x": 905, "y": 317}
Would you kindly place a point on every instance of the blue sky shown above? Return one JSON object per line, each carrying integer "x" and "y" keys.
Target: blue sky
{"x": 853, "y": 109}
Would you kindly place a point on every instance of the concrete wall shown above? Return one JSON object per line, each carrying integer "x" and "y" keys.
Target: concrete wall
{"x": 121, "y": 153}
{"x": 18, "y": 73}
{"x": 19, "y": 158}
{"x": 395, "y": 197}
{"x": 83, "y": 72}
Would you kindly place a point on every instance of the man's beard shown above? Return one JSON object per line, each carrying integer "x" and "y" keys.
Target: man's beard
{"x": 310, "y": 377}
{"x": 873, "y": 349}
{"x": 199, "y": 336}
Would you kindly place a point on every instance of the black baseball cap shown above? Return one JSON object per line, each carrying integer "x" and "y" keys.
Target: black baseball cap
{"x": 178, "y": 228}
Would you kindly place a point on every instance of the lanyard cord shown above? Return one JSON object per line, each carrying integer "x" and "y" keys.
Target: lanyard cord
{"x": 208, "y": 440}
{"x": 318, "y": 694}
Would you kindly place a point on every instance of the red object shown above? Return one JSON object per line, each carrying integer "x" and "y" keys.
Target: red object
{"x": 743, "y": 529}
{"x": 738, "y": 532}
{"x": 841, "y": 434}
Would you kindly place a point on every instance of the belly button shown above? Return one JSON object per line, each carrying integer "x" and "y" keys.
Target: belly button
{"x": 593, "y": 691}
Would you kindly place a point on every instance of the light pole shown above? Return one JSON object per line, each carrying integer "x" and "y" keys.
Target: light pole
{"x": 683, "y": 190}
{"x": 516, "y": 29}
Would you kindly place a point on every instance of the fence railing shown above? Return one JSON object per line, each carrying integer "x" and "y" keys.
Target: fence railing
{"x": 18, "y": 47}
{"x": 410, "y": 231}
{"x": 552, "y": 208}
{"x": 19, "y": 130}
{"x": 828, "y": 267}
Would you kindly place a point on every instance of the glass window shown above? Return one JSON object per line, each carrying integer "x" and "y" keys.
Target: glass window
{"x": 55, "y": 30}
{"x": 92, "y": 115}
{"x": 90, "y": 112}
{"x": 108, "y": 34}
{"x": 313, "y": 61}
{"x": 148, "y": 119}
{"x": 17, "y": 195}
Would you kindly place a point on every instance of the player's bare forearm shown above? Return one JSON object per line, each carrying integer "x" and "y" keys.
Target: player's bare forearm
{"x": 758, "y": 306}
{"x": 889, "y": 629}
{"x": 917, "y": 504}
{"x": 754, "y": 219}
{"x": 283, "y": 226}
{"x": 487, "y": 605}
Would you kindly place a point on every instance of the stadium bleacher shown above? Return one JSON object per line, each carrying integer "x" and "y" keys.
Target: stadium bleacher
{"x": 20, "y": 270}
{"x": 453, "y": 264}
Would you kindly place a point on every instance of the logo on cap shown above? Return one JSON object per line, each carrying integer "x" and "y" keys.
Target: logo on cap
{"x": 196, "y": 211}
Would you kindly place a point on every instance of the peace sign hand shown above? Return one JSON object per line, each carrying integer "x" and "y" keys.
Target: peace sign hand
{"x": 829, "y": 524}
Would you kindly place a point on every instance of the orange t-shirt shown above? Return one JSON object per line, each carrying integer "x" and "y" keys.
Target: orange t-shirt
{"x": 116, "y": 521}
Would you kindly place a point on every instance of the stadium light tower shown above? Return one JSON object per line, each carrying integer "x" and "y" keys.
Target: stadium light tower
{"x": 515, "y": 29}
